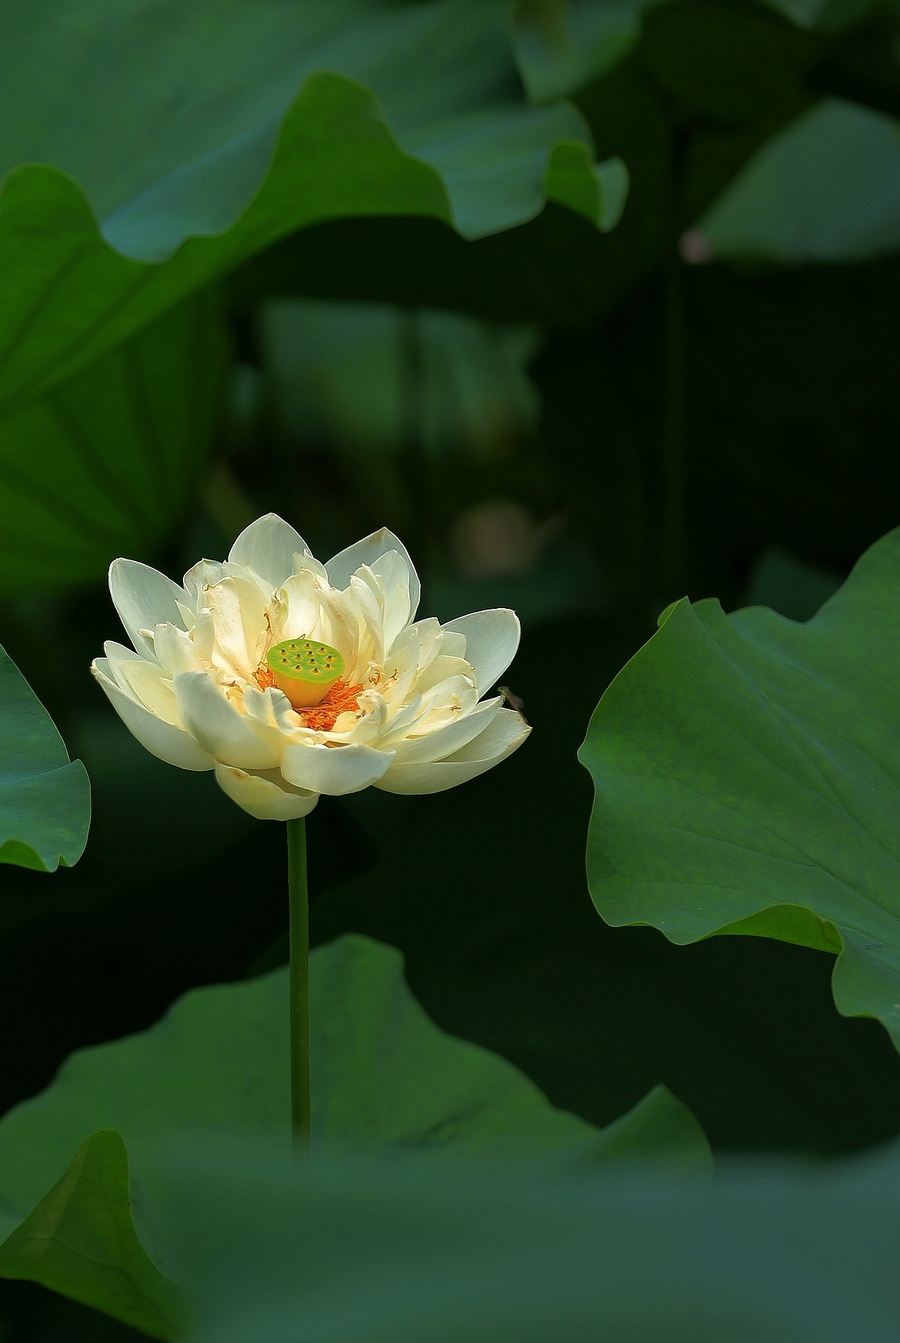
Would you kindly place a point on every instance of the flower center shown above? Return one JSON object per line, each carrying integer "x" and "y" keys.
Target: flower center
{"x": 305, "y": 670}
{"x": 322, "y": 717}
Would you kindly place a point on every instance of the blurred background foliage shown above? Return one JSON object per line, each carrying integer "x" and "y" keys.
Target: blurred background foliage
{"x": 581, "y": 420}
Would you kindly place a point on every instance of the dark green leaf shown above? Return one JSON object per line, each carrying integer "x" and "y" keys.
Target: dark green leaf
{"x": 561, "y": 45}
{"x": 80, "y": 1241}
{"x": 203, "y": 180}
{"x": 105, "y": 464}
{"x": 823, "y": 189}
{"x": 405, "y": 1251}
{"x": 335, "y": 156}
{"x": 383, "y": 1076}
{"x": 746, "y": 772}
{"x": 45, "y": 799}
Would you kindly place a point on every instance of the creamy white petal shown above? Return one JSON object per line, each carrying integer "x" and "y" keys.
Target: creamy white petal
{"x": 143, "y": 598}
{"x": 492, "y": 638}
{"x": 369, "y": 550}
{"x": 503, "y": 735}
{"x": 116, "y": 654}
{"x": 452, "y": 737}
{"x": 303, "y": 607}
{"x": 265, "y": 795}
{"x": 334, "y": 769}
{"x": 272, "y": 716}
{"x": 175, "y": 650}
{"x": 365, "y": 604}
{"x": 163, "y": 740}
{"x": 201, "y": 575}
{"x": 268, "y": 545}
{"x": 393, "y": 570}
{"x": 150, "y": 685}
{"x": 239, "y": 618}
{"x": 219, "y": 726}
{"x": 454, "y": 645}
{"x": 440, "y": 669}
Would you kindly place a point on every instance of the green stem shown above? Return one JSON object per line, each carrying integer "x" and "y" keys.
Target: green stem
{"x": 671, "y": 578}
{"x": 299, "y": 974}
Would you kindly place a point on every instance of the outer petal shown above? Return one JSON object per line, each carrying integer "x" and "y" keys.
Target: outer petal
{"x": 268, "y": 545}
{"x": 265, "y": 795}
{"x": 143, "y": 598}
{"x": 218, "y": 726}
{"x": 368, "y": 551}
{"x": 149, "y": 685}
{"x": 500, "y": 738}
{"x": 492, "y": 638}
{"x": 446, "y": 740}
{"x": 334, "y": 769}
{"x": 163, "y": 740}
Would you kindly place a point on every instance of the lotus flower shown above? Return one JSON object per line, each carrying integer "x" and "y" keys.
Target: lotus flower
{"x": 291, "y": 678}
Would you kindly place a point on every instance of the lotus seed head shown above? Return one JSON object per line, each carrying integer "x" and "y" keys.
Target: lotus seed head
{"x": 305, "y": 670}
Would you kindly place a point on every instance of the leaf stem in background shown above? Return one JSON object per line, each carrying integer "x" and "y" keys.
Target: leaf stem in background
{"x": 299, "y": 977}
{"x": 671, "y": 577}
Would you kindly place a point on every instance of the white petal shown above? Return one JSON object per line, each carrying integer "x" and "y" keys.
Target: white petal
{"x": 239, "y": 616}
{"x": 201, "y": 575}
{"x": 143, "y": 598}
{"x": 219, "y": 726}
{"x": 334, "y": 769}
{"x": 454, "y": 645}
{"x": 503, "y": 735}
{"x": 492, "y": 638}
{"x": 163, "y": 740}
{"x": 393, "y": 570}
{"x": 152, "y": 688}
{"x": 442, "y": 743}
{"x": 175, "y": 650}
{"x": 265, "y": 795}
{"x": 268, "y": 546}
{"x": 116, "y": 654}
{"x": 440, "y": 669}
{"x": 369, "y": 551}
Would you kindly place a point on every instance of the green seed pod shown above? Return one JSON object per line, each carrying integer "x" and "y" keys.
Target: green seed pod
{"x": 305, "y": 670}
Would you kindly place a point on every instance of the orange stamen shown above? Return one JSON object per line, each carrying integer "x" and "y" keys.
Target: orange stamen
{"x": 339, "y": 699}
{"x": 264, "y": 678}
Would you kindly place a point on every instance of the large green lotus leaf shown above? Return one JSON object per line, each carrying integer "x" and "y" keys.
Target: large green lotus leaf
{"x": 383, "y": 1077}
{"x": 184, "y": 122}
{"x": 45, "y": 799}
{"x": 105, "y": 464}
{"x": 747, "y": 776}
{"x": 409, "y": 1252}
{"x": 80, "y": 1240}
{"x": 69, "y": 296}
{"x": 826, "y": 188}
{"x": 561, "y": 45}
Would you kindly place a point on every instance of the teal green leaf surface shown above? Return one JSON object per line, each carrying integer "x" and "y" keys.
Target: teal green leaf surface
{"x": 257, "y": 144}
{"x": 69, "y": 296}
{"x": 384, "y": 1077}
{"x": 826, "y": 16}
{"x": 45, "y": 799}
{"x": 561, "y": 45}
{"x": 407, "y": 1251}
{"x": 747, "y": 777}
{"x": 596, "y": 190}
{"x": 80, "y": 1241}
{"x": 826, "y": 188}
{"x": 106, "y": 464}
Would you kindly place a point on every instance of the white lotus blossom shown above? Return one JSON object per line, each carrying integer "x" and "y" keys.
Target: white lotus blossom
{"x": 396, "y": 704}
